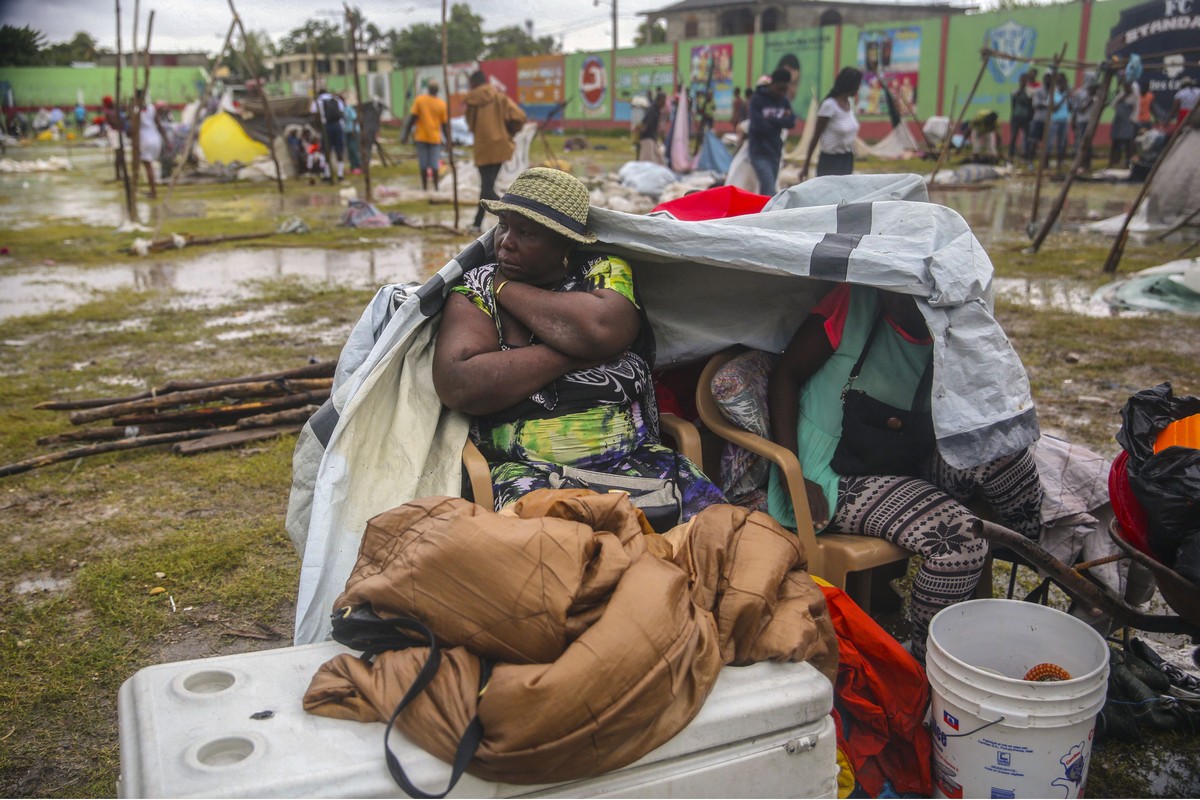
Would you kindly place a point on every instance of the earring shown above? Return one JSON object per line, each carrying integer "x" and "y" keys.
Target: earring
{"x": 566, "y": 263}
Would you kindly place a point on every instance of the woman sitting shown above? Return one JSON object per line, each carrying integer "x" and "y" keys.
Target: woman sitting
{"x": 549, "y": 350}
{"x": 861, "y": 340}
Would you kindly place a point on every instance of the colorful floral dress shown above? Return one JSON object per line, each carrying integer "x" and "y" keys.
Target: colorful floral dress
{"x": 602, "y": 418}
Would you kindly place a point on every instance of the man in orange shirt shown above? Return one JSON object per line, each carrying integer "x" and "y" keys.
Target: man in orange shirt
{"x": 432, "y": 122}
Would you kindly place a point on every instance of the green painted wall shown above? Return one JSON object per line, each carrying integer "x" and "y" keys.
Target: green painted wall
{"x": 51, "y": 86}
{"x": 1037, "y": 31}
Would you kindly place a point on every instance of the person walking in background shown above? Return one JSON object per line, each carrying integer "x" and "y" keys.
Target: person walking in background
{"x": 1186, "y": 98}
{"x": 739, "y": 108}
{"x": 332, "y": 111}
{"x": 490, "y": 112}
{"x": 1125, "y": 106}
{"x": 837, "y": 127}
{"x": 150, "y": 140}
{"x": 771, "y": 117}
{"x": 649, "y": 147}
{"x": 1060, "y": 118}
{"x": 350, "y": 128}
{"x": 1081, "y": 111}
{"x": 80, "y": 118}
{"x": 705, "y": 106}
{"x": 1020, "y": 115}
{"x": 1041, "y": 115}
{"x": 431, "y": 120}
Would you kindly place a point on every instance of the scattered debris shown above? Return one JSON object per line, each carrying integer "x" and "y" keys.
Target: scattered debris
{"x": 206, "y": 415}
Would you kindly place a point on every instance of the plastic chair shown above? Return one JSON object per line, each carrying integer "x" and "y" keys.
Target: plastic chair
{"x": 844, "y": 560}
{"x": 683, "y": 434}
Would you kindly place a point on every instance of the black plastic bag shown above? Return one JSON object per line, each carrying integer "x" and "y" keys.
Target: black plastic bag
{"x": 1167, "y": 484}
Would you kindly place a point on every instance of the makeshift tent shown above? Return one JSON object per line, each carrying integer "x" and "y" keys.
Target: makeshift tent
{"x": 1173, "y": 195}
{"x": 224, "y": 141}
{"x": 899, "y": 143}
{"x": 384, "y": 437}
{"x": 712, "y": 156}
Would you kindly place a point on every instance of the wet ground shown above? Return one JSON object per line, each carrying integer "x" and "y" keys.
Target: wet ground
{"x": 998, "y": 213}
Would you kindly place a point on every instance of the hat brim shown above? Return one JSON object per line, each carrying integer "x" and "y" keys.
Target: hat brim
{"x": 496, "y": 206}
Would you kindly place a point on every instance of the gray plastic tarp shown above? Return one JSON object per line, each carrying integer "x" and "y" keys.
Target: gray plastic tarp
{"x": 384, "y": 438}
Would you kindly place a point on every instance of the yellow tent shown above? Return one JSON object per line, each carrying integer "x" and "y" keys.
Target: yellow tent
{"x": 223, "y": 140}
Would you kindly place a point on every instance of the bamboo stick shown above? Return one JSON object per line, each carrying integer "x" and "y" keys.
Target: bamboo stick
{"x": 358, "y": 96}
{"x": 110, "y": 432}
{"x": 1044, "y": 144}
{"x": 228, "y": 391}
{"x": 129, "y": 443}
{"x": 950, "y": 133}
{"x": 450, "y": 144}
{"x": 123, "y": 167}
{"x": 1081, "y": 149}
{"x": 271, "y": 129}
{"x": 290, "y": 416}
{"x": 1181, "y": 224}
{"x": 1118, "y": 248}
{"x": 226, "y": 439}
{"x": 194, "y": 130}
{"x": 323, "y": 369}
{"x": 225, "y": 414}
{"x": 136, "y": 122}
{"x": 162, "y": 245}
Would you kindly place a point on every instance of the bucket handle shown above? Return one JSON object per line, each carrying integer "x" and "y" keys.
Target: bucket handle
{"x": 1001, "y": 715}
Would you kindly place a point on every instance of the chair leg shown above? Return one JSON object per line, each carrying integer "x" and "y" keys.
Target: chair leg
{"x": 858, "y": 586}
{"x": 983, "y": 591}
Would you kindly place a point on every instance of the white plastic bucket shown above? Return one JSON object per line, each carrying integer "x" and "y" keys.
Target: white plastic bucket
{"x": 996, "y": 734}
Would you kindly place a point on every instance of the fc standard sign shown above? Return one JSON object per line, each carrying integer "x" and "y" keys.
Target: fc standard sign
{"x": 593, "y": 82}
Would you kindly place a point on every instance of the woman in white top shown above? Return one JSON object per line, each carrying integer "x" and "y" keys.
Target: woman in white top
{"x": 837, "y": 127}
{"x": 150, "y": 140}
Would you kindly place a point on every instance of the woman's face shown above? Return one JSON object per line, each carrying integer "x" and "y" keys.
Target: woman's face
{"x": 529, "y": 252}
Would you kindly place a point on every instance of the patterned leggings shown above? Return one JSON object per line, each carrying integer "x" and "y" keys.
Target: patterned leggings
{"x": 926, "y": 516}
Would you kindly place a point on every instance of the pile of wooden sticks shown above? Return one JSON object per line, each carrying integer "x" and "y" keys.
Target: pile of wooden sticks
{"x": 191, "y": 416}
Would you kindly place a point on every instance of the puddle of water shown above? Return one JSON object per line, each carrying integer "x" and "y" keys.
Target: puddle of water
{"x": 218, "y": 278}
{"x": 1058, "y": 295}
{"x": 1001, "y": 214}
{"x": 32, "y": 585}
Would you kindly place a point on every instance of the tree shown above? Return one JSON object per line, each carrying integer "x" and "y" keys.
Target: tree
{"x": 20, "y": 47}
{"x": 650, "y": 33}
{"x": 515, "y": 41}
{"x": 326, "y": 38}
{"x": 255, "y": 49}
{"x": 82, "y": 47}
{"x": 375, "y": 39}
{"x": 421, "y": 44}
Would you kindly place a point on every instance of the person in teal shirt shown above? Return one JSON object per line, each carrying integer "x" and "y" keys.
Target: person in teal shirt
{"x": 1060, "y": 118}
{"x": 885, "y": 334}
{"x": 350, "y": 127}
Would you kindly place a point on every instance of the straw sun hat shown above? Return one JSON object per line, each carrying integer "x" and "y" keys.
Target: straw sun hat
{"x": 549, "y": 197}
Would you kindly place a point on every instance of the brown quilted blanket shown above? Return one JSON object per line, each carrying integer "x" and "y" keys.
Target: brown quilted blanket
{"x": 607, "y": 636}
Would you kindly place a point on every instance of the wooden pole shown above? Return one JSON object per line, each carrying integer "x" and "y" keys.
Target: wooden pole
{"x": 450, "y": 144}
{"x": 1044, "y": 144}
{"x": 359, "y": 98}
{"x": 1114, "y": 255}
{"x": 194, "y": 130}
{"x": 272, "y": 131}
{"x": 136, "y": 122}
{"x": 1081, "y": 149}
{"x": 122, "y": 166}
{"x": 1181, "y": 224}
{"x": 961, "y": 114}
{"x": 262, "y": 388}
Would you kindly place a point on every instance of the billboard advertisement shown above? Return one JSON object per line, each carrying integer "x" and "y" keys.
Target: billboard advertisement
{"x": 888, "y": 57}
{"x": 643, "y": 73}
{"x": 710, "y": 68}
{"x": 1163, "y": 33}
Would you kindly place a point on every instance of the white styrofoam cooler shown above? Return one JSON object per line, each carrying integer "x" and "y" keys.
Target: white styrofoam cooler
{"x": 196, "y": 729}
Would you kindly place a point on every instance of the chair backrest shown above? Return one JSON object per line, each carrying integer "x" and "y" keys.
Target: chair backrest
{"x": 785, "y": 460}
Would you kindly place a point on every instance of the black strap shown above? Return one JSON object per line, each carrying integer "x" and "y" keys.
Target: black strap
{"x": 470, "y": 738}
{"x": 923, "y": 385}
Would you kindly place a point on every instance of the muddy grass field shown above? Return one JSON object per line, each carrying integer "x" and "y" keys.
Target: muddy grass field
{"x": 119, "y": 561}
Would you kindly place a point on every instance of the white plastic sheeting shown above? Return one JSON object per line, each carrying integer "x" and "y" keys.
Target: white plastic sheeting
{"x": 384, "y": 438}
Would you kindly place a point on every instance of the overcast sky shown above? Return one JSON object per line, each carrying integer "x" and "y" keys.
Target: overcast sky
{"x": 202, "y": 24}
